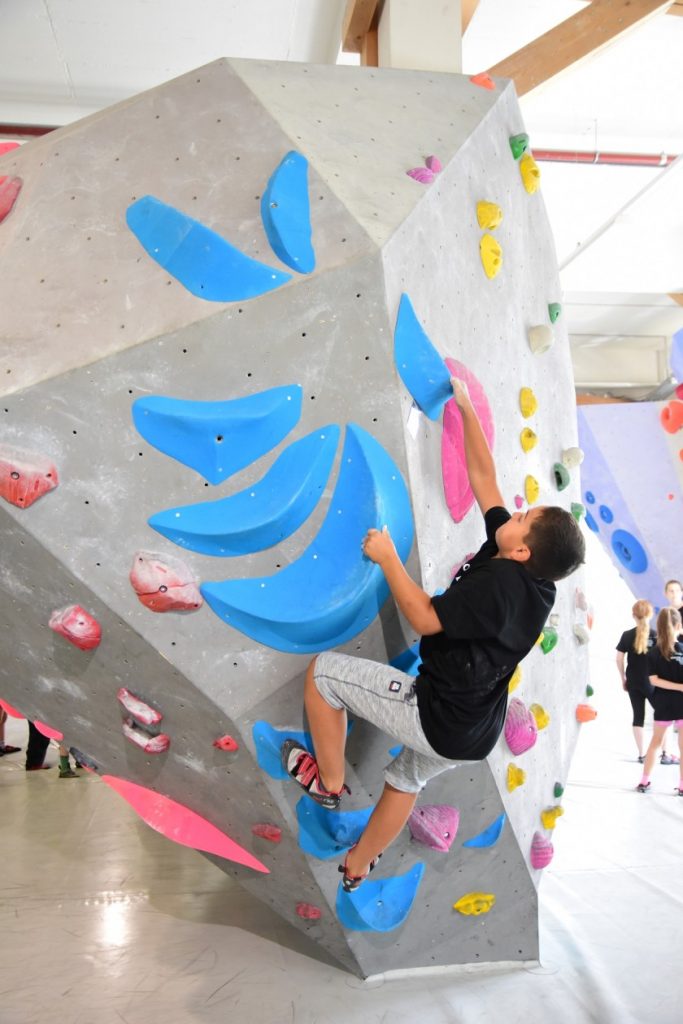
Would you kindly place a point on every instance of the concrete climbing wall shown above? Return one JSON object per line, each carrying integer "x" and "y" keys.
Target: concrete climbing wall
{"x": 143, "y": 397}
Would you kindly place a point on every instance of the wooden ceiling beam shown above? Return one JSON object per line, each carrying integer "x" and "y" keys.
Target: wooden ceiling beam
{"x": 587, "y": 31}
{"x": 359, "y": 17}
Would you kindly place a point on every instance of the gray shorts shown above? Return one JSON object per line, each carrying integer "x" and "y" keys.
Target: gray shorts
{"x": 387, "y": 698}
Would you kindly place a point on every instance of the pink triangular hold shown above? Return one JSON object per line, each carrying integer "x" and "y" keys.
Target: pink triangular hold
{"x": 12, "y": 712}
{"x": 10, "y": 188}
{"x": 434, "y": 825}
{"x": 180, "y": 824}
{"x": 456, "y": 482}
{"x": 421, "y": 174}
{"x": 47, "y": 730}
{"x": 483, "y": 79}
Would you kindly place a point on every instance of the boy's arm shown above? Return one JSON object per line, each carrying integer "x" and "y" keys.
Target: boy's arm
{"x": 412, "y": 600}
{"x": 665, "y": 684}
{"x": 481, "y": 468}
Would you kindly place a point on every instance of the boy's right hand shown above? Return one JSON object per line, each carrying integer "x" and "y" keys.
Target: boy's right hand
{"x": 460, "y": 393}
{"x": 378, "y": 546}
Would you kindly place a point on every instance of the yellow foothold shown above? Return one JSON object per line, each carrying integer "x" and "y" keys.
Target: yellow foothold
{"x": 475, "y": 903}
{"x": 541, "y": 637}
{"x": 515, "y": 679}
{"x": 540, "y": 715}
{"x": 531, "y": 489}
{"x": 491, "y": 255}
{"x": 540, "y": 339}
{"x": 516, "y": 777}
{"x": 528, "y": 439}
{"x": 531, "y": 175}
{"x": 489, "y": 215}
{"x": 528, "y": 402}
{"x": 550, "y": 815}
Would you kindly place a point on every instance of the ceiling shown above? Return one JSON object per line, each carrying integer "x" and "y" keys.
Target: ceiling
{"x": 618, "y": 229}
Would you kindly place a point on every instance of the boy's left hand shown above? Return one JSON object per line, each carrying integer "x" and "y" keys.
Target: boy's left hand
{"x": 378, "y": 546}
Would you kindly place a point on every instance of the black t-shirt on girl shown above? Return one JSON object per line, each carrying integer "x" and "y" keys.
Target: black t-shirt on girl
{"x": 637, "y": 671}
{"x": 668, "y": 704}
{"x": 492, "y": 614}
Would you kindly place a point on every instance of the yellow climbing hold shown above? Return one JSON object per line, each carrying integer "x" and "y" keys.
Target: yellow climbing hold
{"x": 540, "y": 715}
{"x": 528, "y": 402}
{"x": 531, "y": 489}
{"x": 541, "y": 637}
{"x": 475, "y": 903}
{"x": 489, "y": 215}
{"x": 550, "y": 815}
{"x": 531, "y": 175}
{"x": 491, "y": 255}
{"x": 528, "y": 439}
{"x": 516, "y": 777}
{"x": 515, "y": 679}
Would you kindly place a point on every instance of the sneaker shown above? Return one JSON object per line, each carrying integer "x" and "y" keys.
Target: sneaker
{"x": 641, "y": 758}
{"x": 303, "y": 768}
{"x": 67, "y": 773}
{"x": 679, "y": 791}
{"x": 669, "y": 759}
{"x": 643, "y": 787}
{"x": 351, "y": 882}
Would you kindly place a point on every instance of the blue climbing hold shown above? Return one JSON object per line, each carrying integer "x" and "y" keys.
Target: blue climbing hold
{"x": 590, "y": 497}
{"x": 286, "y": 213}
{"x": 379, "y": 906}
{"x": 490, "y": 835}
{"x": 332, "y": 591}
{"x": 629, "y": 551}
{"x": 407, "y": 661}
{"x": 325, "y": 834}
{"x": 606, "y": 513}
{"x": 218, "y": 438}
{"x": 264, "y": 513}
{"x": 268, "y": 742}
{"x": 419, "y": 365}
{"x": 395, "y": 751}
{"x": 206, "y": 264}
{"x": 591, "y": 523}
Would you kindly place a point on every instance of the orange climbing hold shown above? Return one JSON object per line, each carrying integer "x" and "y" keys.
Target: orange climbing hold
{"x": 671, "y": 417}
{"x": 585, "y": 713}
{"x": 483, "y": 79}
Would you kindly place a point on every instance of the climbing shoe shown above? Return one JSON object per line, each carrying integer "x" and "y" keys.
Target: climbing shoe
{"x": 351, "y": 882}
{"x": 67, "y": 773}
{"x": 643, "y": 787}
{"x": 669, "y": 759}
{"x": 303, "y": 768}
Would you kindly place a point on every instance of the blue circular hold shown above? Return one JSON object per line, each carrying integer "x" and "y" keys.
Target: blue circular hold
{"x": 591, "y": 524}
{"x": 606, "y": 514}
{"x": 629, "y": 551}
{"x": 590, "y": 497}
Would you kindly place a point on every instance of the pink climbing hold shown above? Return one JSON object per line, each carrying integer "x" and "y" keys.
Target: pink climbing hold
{"x": 434, "y": 825}
{"x": 158, "y": 744}
{"x": 12, "y": 712}
{"x": 47, "y": 730}
{"x": 421, "y": 174}
{"x": 137, "y": 708}
{"x": 265, "y": 831}
{"x": 456, "y": 568}
{"x": 434, "y": 164}
{"x": 164, "y": 583}
{"x": 309, "y": 912}
{"x": 456, "y": 483}
{"x": 7, "y": 147}
{"x": 10, "y": 187}
{"x": 25, "y": 476}
{"x": 77, "y": 626}
{"x": 521, "y": 730}
{"x": 179, "y": 823}
{"x": 519, "y": 500}
{"x": 541, "y": 851}
{"x": 226, "y": 743}
{"x": 679, "y": 392}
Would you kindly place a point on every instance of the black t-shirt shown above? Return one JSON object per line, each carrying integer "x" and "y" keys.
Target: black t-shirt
{"x": 637, "y": 671}
{"x": 668, "y": 704}
{"x": 492, "y": 615}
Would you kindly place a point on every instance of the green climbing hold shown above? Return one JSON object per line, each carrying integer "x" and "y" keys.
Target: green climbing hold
{"x": 558, "y": 790}
{"x": 578, "y": 510}
{"x": 550, "y": 638}
{"x": 554, "y": 310}
{"x": 519, "y": 144}
{"x": 562, "y": 477}
{"x": 589, "y": 690}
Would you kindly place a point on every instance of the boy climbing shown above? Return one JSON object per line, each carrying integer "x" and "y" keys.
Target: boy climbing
{"x": 473, "y": 636}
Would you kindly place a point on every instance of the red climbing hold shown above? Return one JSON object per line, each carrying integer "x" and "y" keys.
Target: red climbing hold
{"x": 671, "y": 417}
{"x": 137, "y": 708}
{"x": 226, "y": 743}
{"x": 76, "y": 626}
{"x": 270, "y": 832}
{"x": 25, "y": 476}
{"x": 309, "y": 912}
{"x": 164, "y": 583}
{"x": 150, "y": 744}
{"x": 483, "y": 79}
{"x": 10, "y": 188}
{"x": 6, "y": 147}
{"x": 12, "y": 712}
{"x": 679, "y": 392}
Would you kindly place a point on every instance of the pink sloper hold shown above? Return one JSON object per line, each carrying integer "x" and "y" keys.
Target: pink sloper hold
{"x": 421, "y": 174}
{"x": 309, "y": 912}
{"x": 77, "y": 626}
{"x": 158, "y": 744}
{"x": 456, "y": 484}
{"x": 25, "y": 476}
{"x": 521, "y": 730}
{"x": 265, "y": 831}
{"x": 180, "y": 824}
{"x": 541, "y": 851}
{"x": 226, "y": 743}
{"x": 12, "y": 712}
{"x": 164, "y": 583}
{"x": 10, "y": 187}
{"x": 434, "y": 825}
{"x": 47, "y": 730}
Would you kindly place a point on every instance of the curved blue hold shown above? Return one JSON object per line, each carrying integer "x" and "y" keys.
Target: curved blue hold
{"x": 265, "y": 513}
{"x": 218, "y": 438}
{"x": 268, "y": 742}
{"x": 419, "y": 365}
{"x": 591, "y": 523}
{"x": 606, "y": 513}
{"x": 326, "y": 834}
{"x": 490, "y": 835}
{"x": 286, "y": 213}
{"x": 407, "y": 661}
{"x": 629, "y": 551}
{"x": 379, "y": 906}
{"x": 332, "y": 591}
{"x": 590, "y": 498}
{"x": 200, "y": 259}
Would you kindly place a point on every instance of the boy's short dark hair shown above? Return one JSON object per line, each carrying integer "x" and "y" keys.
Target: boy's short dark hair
{"x": 556, "y": 543}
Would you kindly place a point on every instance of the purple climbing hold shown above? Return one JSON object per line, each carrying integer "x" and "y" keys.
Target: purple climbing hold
{"x": 434, "y": 825}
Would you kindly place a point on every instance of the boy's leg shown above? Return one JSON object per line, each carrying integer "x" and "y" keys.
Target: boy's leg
{"x": 328, "y": 729}
{"x": 388, "y": 818}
